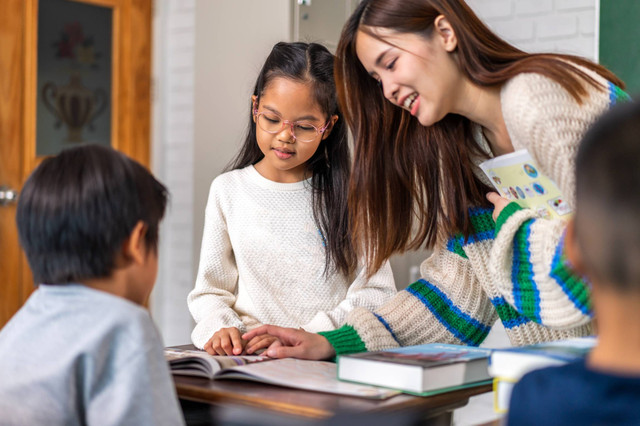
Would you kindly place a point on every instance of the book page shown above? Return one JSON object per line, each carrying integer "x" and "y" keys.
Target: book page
{"x": 320, "y": 376}
{"x": 517, "y": 177}
{"x": 199, "y": 363}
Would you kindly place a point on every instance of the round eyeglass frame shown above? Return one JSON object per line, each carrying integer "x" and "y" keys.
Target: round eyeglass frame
{"x": 319, "y": 131}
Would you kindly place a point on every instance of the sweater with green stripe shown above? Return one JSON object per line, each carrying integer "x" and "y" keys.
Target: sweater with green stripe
{"x": 513, "y": 270}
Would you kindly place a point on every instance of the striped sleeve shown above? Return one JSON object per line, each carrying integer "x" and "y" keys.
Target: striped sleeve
{"x": 447, "y": 305}
{"x": 532, "y": 273}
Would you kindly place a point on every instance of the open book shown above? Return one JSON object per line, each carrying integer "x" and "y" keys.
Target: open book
{"x": 319, "y": 376}
{"x": 517, "y": 177}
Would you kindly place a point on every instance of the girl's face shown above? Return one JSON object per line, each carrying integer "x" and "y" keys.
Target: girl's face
{"x": 285, "y": 158}
{"x": 417, "y": 74}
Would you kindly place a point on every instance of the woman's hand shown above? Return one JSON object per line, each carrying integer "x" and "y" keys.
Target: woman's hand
{"x": 498, "y": 202}
{"x": 261, "y": 341}
{"x": 293, "y": 343}
{"x": 226, "y": 341}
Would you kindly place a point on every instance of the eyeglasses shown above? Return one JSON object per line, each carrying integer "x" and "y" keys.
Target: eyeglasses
{"x": 301, "y": 131}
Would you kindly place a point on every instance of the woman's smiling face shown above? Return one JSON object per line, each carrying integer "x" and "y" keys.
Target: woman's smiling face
{"x": 284, "y": 157}
{"x": 416, "y": 73}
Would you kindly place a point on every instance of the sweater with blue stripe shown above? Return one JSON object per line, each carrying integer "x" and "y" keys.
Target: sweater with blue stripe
{"x": 514, "y": 269}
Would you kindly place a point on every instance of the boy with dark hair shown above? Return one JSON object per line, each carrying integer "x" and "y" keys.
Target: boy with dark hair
{"x": 82, "y": 350}
{"x": 603, "y": 242}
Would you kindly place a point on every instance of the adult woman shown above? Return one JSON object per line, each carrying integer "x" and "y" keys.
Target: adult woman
{"x": 457, "y": 94}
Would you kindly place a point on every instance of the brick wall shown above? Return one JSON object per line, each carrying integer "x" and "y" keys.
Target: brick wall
{"x": 173, "y": 163}
{"x": 566, "y": 26}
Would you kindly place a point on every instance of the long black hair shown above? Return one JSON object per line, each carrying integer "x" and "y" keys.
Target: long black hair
{"x": 330, "y": 165}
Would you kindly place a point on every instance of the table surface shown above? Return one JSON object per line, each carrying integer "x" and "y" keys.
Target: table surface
{"x": 311, "y": 404}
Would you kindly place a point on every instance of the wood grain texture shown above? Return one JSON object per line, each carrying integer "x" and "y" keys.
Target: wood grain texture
{"x": 11, "y": 80}
{"x": 314, "y": 404}
{"x": 131, "y": 113}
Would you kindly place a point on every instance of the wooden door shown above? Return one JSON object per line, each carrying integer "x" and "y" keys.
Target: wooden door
{"x": 128, "y": 102}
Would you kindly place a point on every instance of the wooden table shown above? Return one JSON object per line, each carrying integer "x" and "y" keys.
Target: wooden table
{"x": 279, "y": 405}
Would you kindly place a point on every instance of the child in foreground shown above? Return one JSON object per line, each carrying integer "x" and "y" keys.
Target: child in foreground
{"x": 276, "y": 246}
{"x": 82, "y": 350}
{"x": 603, "y": 242}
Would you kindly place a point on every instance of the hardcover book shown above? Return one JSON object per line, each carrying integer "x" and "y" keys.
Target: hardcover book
{"x": 517, "y": 177}
{"x": 508, "y": 365}
{"x": 513, "y": 363}
{"x": 319, "y": 376}
{"x": 420, "y": 370}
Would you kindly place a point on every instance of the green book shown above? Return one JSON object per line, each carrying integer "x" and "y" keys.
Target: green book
{"x": 420, "y": 370}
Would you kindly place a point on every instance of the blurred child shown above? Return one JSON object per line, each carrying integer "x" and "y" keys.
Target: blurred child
{"x": 276, "y": 246}
{"x": 82, "y": 350}
{"x": 603, "y": 242}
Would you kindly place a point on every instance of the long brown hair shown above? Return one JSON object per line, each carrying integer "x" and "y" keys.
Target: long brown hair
{"x": 410, "y": 182}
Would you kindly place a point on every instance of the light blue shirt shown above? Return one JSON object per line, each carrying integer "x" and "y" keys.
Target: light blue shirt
{"x": 74, "y": 355}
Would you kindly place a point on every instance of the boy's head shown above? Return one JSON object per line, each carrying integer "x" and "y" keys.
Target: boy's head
{"x": 79, "y": 208}
{"x": 606, "y": 230}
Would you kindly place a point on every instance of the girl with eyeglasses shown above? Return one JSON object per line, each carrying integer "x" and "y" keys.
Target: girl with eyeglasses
{"x": 429, "y": 92}
{"x": 276, "y": 246}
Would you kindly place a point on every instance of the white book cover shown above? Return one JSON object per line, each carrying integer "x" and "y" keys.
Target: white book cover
{"x": 512, "y": 363}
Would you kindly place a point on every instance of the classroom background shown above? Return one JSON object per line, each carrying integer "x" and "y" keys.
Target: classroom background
{"x": 204, "y": 55}
{"x": 207, "y": 53}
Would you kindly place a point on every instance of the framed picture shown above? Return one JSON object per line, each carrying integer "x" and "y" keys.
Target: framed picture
{"x": 74, "y": 75}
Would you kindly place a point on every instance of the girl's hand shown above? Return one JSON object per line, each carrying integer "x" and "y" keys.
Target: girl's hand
{"x": 226, "y": 341}
{"x": 498, "y": 202}
{"x": 293, "y": 343}
{"x": 262, "y": 341}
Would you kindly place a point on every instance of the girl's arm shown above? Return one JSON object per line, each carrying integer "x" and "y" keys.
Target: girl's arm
{"x": 213, "y": 297}
{"x": 367, "y": 293}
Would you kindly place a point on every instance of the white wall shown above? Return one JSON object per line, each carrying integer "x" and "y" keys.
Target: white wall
{"x": 232, "y": 41}
{"x": 567, "y": 26}
{"x": 173, "y": 161}
{"x": 207, "y": 54}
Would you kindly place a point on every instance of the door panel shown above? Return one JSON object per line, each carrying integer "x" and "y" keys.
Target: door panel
{"x": 130, "y": 113}
{"x": 11, "y": 82}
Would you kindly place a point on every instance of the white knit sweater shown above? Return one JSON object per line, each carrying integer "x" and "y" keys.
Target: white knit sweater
{"x": 514, "y": 270}
{"x": 262, "y": 262}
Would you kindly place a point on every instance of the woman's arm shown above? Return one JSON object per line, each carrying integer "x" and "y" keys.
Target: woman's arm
{"x": 447, "y": 305}
{"x": 531, "y": 271}
{"x": 527, "y": 260}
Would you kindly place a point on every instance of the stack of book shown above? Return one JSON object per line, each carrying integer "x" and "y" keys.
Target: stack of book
{"x": 419, "y": 370}
{"x": 508, "y": 365}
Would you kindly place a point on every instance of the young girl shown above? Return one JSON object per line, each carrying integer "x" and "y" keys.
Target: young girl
{"x": 429, "y": 92}
{"x": 276, "y": 246}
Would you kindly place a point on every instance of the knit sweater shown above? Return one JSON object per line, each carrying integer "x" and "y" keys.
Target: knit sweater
{"x": 514, "y": 269}
{"x": 263, "y": 260}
